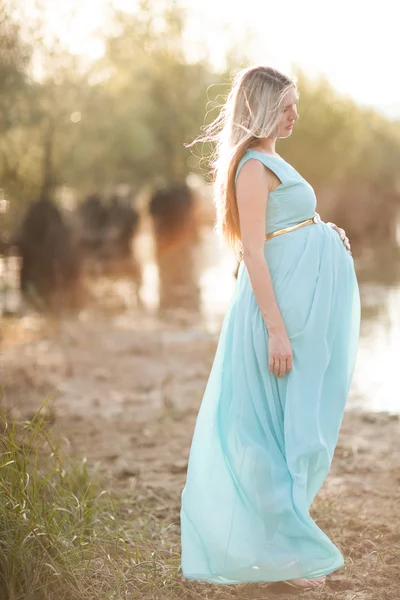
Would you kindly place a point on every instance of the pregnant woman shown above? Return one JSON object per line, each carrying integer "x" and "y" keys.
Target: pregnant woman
{"x": 270, "y": 417}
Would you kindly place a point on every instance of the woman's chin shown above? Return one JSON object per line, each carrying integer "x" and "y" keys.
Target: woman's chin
{"x": 285, "y": 133}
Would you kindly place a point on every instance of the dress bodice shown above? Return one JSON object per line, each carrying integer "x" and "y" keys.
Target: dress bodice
{"x": 292, "y": 201}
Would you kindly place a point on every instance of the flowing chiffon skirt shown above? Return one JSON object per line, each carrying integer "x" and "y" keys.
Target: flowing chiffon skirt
{"x": 263, "y": 445}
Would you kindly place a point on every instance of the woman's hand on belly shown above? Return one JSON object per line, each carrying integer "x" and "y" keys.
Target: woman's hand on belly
{"x": 341, "y": 232}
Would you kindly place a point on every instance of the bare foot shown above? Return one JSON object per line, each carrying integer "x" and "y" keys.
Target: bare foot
{"x": 306, "y": 583}
{"x": 319, "y": 580}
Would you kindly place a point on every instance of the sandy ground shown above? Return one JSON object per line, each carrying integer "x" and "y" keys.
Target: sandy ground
{"x": 127, "y": 388}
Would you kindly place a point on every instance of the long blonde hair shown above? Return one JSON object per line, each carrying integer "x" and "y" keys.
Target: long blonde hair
{"x": 252, "y": 110}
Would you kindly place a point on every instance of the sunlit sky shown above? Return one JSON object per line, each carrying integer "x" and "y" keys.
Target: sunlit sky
{"x": 353, "y": 42}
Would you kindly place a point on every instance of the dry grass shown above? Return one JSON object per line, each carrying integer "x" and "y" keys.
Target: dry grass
{"x": 64, "y": 537}
{"x": 107, "y": 527}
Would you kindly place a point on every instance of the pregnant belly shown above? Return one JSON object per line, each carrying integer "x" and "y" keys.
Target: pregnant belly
{"x": 311, "y": 270}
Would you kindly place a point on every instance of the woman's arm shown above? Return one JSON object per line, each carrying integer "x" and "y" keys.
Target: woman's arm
{"x": 253, "y": 185}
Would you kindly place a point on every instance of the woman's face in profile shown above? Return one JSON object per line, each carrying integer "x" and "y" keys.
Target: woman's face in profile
{"x": 289, "y": 114}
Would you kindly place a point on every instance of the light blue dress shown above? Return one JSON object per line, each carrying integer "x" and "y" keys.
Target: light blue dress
{"x": 263, "y": 445}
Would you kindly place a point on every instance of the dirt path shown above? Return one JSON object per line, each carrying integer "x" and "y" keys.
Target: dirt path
{"x": 128, "y": 388}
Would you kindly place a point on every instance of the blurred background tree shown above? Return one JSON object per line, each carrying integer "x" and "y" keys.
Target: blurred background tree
{"x": 125, "y": 117}
{"x": 18, "y": 165}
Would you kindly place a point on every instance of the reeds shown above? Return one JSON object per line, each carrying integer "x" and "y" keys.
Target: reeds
{"x": 62, "y": 537}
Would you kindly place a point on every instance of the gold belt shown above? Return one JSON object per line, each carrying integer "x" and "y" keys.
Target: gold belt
{"x": 314, "y": 219}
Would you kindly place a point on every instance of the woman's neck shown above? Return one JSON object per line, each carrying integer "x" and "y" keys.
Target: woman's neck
{"x": 266, "y": 145}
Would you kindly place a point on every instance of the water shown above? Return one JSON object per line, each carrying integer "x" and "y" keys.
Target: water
{"x": 9, "y": 284}
{"x": 375, "y": 385}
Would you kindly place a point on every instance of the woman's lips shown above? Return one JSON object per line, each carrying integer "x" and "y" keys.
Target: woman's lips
{"x": 289, "y": 127}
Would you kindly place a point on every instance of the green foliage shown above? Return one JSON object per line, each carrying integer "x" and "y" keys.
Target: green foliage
{"x": 349, "y": 154}
{"x": 127, "y": 117}
{"x": 136, "y": 120}
{"x": 62, "y": 538}
{"x": 14, "y": 60}
{"x": 47, "y": 514}
{"x": 335, "y": 139}
{"x": 15, "y": 92}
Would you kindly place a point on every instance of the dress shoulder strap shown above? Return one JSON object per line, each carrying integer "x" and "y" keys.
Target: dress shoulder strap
{"x": 275, "y": 163}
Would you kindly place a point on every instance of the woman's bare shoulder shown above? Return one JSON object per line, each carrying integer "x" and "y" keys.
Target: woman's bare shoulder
{"x": 255, "y": 174}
